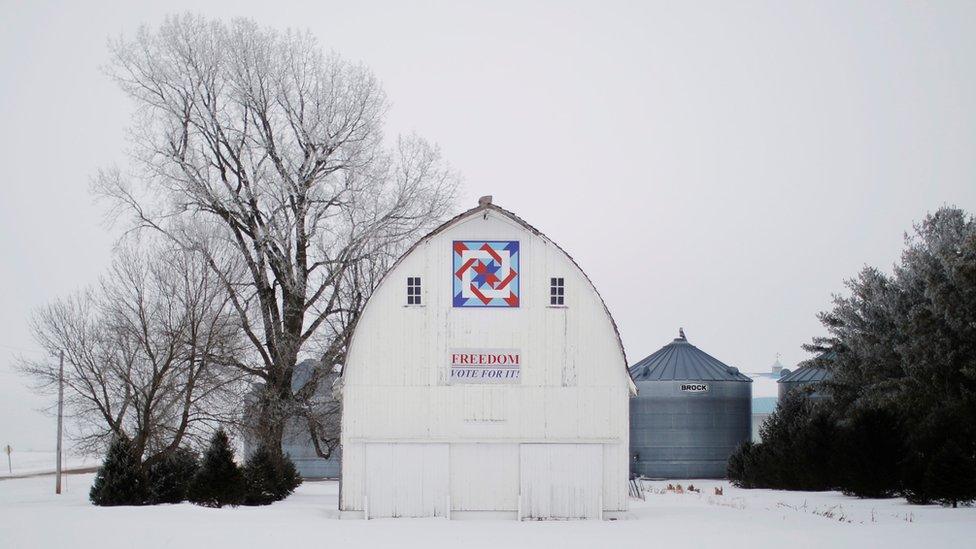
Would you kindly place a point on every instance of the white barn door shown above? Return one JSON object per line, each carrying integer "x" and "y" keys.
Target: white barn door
{"x": 406, "y": 480}
{"x": 561, "y": 481}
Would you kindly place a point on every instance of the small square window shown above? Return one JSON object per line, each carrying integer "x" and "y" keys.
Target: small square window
{"x": 413, "y": 290}
{"x": 557, "y": 289}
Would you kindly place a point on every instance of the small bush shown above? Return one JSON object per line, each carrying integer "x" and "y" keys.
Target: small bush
{"x": 737, "y": 470}
{"x": 269, "y": 477}
{"x": 120, "y": 479}
{"x": 799, "y": 442}
{"x": 170, "y": 478}
{"x": 219, "y": 481}
{"x": 290, "y": 479}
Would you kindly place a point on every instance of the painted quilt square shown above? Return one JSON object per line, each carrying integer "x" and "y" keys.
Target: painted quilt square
{"x": 486, "y": 273}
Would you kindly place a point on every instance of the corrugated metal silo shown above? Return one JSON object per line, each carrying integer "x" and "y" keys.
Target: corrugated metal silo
{"x": 807, "y": 377}
{"x": 297, "y": 442}
{"x": 690, "y": 413}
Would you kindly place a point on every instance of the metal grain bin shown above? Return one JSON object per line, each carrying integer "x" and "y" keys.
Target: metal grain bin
{"x": 297, "y": 442}
{"x": 807, "y": 378}
{"x": 690, "y": 413}
{"x": 310, "y": 466}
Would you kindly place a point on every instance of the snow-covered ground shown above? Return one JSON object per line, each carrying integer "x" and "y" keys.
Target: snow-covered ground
{"x": 32, "y": 516}
{"x": 28, "y": 462}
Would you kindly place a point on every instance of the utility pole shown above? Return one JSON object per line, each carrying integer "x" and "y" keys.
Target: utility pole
{"x": 57, "y": 487}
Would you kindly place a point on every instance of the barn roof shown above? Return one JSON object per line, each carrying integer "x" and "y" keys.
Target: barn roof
{"x": 681, "y": 361}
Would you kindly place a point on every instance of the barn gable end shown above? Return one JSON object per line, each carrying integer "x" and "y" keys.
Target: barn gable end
{"x": 467, "y": 377}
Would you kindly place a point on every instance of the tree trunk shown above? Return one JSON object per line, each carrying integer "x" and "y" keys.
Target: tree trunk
{"x": 273, "y": 414}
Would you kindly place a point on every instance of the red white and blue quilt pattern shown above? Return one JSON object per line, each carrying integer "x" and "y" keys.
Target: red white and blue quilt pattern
{"x": 486, "y": 273}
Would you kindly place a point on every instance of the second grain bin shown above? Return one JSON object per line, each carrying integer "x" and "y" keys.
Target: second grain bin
{"x": 691, "y": 411}
{"x": 808, "y": 378}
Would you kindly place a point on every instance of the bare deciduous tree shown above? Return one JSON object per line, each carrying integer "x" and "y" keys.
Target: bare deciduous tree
{"x": 267, "y": 156}
{"x": 142, "y": 351}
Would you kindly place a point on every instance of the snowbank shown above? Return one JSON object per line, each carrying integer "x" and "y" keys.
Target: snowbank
{"x": 32, "y": 516}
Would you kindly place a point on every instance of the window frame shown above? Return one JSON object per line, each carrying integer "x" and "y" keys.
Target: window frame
{"x": 557, "y": 291}
{"x": 414, "y": 292}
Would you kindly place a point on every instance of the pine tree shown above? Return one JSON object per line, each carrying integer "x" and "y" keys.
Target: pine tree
{"x": 951, "y": 474}
{"x": 219, "y": 481}
{"x": 941, "y": 466}
{"x": 261, "y": 474}
{"x": 799, "y": 441}
{"x": 269, "y": 478}
{"x": 290, "y": 479}
{"x": 120, "y": 479}
{"x": 872, "y": 450}
{"x": 738, "y": 470}
{"x": 170, "y": 478}
{"x": 906, "y": 342}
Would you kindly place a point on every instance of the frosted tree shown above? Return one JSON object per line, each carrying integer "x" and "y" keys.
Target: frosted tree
{"x": 264, "y": 154}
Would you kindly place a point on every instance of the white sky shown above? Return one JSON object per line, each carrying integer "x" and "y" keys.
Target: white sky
{"x": 722, "y": 168}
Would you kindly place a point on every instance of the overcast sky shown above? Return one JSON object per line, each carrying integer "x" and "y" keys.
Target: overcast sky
{"x": 717, "y": 167}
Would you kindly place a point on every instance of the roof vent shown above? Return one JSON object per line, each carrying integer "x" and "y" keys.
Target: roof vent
{"x": 484, "y": 200}
{"x": 681, "y": 335}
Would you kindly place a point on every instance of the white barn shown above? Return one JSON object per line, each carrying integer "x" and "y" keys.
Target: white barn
{"x": 486, "y": 375}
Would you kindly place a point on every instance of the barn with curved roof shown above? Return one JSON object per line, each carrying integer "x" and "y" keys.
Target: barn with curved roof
{"x": 485, "y": 376}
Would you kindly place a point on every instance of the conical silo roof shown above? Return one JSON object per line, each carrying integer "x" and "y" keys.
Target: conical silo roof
{"x": 810, "y": 371}
{"x": 682, "y": 361}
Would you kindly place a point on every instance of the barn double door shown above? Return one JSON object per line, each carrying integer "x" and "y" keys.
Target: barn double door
{"x": 542, "y": 481}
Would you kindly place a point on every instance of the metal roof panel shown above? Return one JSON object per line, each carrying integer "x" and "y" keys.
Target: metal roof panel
{"x": 680, "y": 360}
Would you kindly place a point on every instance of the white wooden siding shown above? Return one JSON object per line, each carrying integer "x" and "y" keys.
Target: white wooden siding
{"x": 574, "y": 386}
{"x": 406, "y": 480}
{"x": 561, "y": 481}
{"x": 484, "y": 477}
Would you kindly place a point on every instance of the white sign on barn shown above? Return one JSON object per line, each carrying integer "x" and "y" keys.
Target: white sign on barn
{"x": 485, "y": 376}
{"x": 485, "y": 365}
